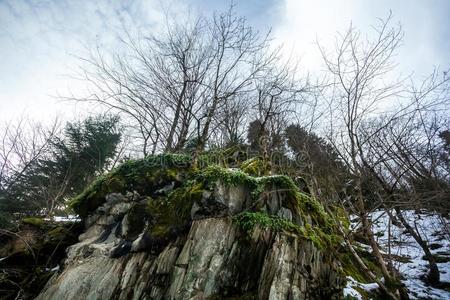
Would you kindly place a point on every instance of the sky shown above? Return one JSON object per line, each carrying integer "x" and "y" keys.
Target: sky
{"x": 41, "y": 40}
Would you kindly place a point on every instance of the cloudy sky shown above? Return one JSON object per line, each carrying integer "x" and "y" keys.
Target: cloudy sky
{"x": 40, "y": 39}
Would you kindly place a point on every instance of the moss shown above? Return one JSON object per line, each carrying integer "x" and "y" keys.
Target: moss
{"x": 259, "y": 185}
{"x": 143, "y": 175}
{"x": 173, "y": 213}
{"x": 57, "y": 232}
{"x": 35, "y": 221}
{"x": 350, "y": 267}
{"x": 231, "y": 177}
{"x": 364, "y": 293}
{"x": 228, "y": 157}
{"x": 296, "y": 201}
{"x": 247, "y": 221}
{"x": 342, "y": 217}
{"x": 94, "y": 196}
{"x": 254, "y": 166}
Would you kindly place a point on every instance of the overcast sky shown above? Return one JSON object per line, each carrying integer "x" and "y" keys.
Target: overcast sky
{"x": 39, "y": 39}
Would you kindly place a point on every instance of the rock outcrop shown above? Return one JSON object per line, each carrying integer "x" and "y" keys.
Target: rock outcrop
{"x": 216, "y": 236}
{"x": 30, "y": 253}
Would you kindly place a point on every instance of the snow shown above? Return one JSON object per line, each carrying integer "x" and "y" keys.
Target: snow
{"x": 69, "y": 218}
{"x": 412, "y": 265}
{"x": 352, "y": 284}
{"x": 350, "y": 290}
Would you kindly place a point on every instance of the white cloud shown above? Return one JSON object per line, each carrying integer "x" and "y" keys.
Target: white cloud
{"x": 39, "y": 38}
{"x": 426, "y": 24}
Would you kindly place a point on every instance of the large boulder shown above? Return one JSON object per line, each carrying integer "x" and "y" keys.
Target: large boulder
{"x": 218, "y": 236}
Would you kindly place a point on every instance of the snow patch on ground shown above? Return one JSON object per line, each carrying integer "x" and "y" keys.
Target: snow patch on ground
{"x": 352, "y": 284}
{"x": 69, "y": 218}
{"x": 409, "y": 255}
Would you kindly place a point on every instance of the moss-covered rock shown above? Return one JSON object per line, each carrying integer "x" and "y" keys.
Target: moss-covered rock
{"x": 172, "y": 214}
{"x": 175, "y": 232}
{"x": 254, "y": 166}
{"x": 146, "y": 176}
{"x": 172, "y": 188}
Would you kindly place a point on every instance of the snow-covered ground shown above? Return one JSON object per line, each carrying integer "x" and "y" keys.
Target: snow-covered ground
{"x": 409, "y": 255}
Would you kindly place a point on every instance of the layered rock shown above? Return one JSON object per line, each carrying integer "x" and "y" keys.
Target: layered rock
{"x": 131, "y": 249}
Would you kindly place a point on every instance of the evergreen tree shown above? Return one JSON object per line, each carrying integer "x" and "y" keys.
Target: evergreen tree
{"x": 84, "y": 151}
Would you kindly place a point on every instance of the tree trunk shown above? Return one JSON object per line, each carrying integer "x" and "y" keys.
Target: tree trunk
{"x": 433, "y": 276}
{"x": 390, "y": 280}
{"x": 202, "y": 138}
{"x": 176, "y": 118}
{"x": 364, "y": 268}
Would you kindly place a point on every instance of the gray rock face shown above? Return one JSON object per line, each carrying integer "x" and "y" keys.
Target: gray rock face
{"x": 214, "y": 260}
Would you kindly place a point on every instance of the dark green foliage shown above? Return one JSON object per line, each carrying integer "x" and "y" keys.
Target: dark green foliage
{"x": 83, "y": 152}
{"x": 255, "y": 134}
{"x": 316, "y": 161}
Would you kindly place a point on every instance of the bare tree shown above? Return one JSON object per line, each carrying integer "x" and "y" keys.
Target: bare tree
{"x": 277, "y": 96}
{"x": 408, "y": 158}
{"x": 22, "y": 143}
{"x": 358, "y": 70}
{"x": 231, "y": 122}
{"x": 155, "y": 83}
{"x": 239, "y": 55}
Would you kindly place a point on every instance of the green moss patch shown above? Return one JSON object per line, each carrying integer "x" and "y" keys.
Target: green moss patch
{"x": 172, "y": 214}
{"x": 35, "y": 221}
{"x": 143, "y": 175}
{"x": 254, "y": 166}
{"x": 351, "y": 268}
{"x": 247, "y": 221}
{"x": 297, "y": 201}
{"x": 229, "y": 177}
